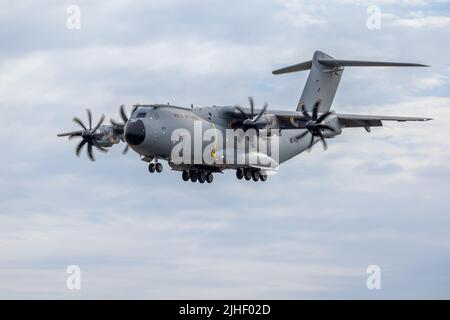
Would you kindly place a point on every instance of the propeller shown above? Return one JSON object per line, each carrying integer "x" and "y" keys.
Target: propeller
{"x": 119, "y": 128}
{"x": 87, "y": 135}
{"x": 252, "y": 119}
{"x": 314, "y": 126}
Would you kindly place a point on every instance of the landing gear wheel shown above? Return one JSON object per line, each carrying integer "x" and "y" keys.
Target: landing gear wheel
{"x": 193, "y": 176}
{"x": 151, "y": 167}
{"x": 255, "y": 175}
{"x": 159, "y": 167}
{"x": 202, "y": 177}
{"x": 247, "y": 174}
{"x": 185, "y": 175}
{"x": 240, "y": 173}
{"x": 263, "y": 177}
{"x": 209, "y": 177}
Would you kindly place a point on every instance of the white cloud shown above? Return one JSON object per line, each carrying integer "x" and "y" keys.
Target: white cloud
{"x": 299, "y": 13}
{"x": 435, "y": 81}
{"x": 393, "y": 2}
{"x": 419, "y": 20}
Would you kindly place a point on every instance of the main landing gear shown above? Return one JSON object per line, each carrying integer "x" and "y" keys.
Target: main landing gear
{"x": 152, "y": 167}
{"x": 250, "y": 174}
{"x": 197, "y": 175}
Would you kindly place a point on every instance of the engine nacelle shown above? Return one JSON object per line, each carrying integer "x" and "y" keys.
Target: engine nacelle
{"x": 269, "y": 121}
{"x": 333, "y": 122}
{"x": 106, "y": 136}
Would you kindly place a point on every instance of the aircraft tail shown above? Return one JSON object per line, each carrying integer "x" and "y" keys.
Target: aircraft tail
{"x": 325, "y": 75}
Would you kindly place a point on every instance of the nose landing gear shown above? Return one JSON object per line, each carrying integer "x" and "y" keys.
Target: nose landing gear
{"x": 152, "y": 167}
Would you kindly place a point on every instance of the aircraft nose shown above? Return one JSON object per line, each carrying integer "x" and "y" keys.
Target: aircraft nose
{"x": 135, "y": 133}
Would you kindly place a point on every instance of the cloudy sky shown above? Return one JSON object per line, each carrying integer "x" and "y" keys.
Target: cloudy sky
{"x": 311, "y": 231}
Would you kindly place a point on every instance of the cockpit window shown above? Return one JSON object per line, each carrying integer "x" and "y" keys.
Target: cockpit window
{"x": 141, "y": 115}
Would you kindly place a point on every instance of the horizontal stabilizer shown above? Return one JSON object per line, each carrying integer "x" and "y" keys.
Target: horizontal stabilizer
{"x": 354, "y": 63}
{"x": 331, "y": 63}
{"x": 295, "y": 68}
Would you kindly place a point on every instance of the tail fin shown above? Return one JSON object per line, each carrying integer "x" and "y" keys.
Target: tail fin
{"x": 325, "y": 75}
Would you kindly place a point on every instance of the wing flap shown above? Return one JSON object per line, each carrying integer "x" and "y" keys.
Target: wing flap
{"x": 347, "y": 123}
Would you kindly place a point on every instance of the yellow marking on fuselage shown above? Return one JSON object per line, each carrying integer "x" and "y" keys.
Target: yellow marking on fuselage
{"x": 213, "y": 152}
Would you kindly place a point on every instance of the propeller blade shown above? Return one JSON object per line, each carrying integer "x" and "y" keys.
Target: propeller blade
{"x": 305, "y": 113}
{"x": 101, "y": 148}
{"x": 80, "y": 146}
{"x": 123, "y": 114}
{"x": 90, "y": 152}
{"x": 325, "y": 147}
{"x": 115, "y": 123}
{"x": 322, "y": 117}
{"x": 70, "y": 134}
{"x": 301, "y": 135}
{"x": 261, "y": 112}
{"x": 125, "y": 150}
{"x": 252, "y": 107}
{"x": 241, "y": 111}
{"x": 73, "y": 137}
{"x": 89, "y": 118}
{"x": 135, "y": 108}
{"x": 315, "y": 111}
{"x": 78, "y": 121}
{"x": 100, "y": 122}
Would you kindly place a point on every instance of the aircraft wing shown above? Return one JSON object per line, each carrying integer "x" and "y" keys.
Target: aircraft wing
{"x": 351, "y": 117}
{"x": 367, "y": 121}
{"x": 354, "y": 120}
{"x": 346, "y": 120}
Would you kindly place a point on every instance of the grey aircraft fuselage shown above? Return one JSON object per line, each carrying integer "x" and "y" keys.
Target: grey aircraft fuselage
{"x": 149, "y": 132}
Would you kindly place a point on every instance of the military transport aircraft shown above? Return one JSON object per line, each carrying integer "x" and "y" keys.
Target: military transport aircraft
{"x": 202, "y": 141}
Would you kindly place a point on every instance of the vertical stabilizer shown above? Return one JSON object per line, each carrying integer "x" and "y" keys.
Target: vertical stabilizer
{"x": 321, "y": 85}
